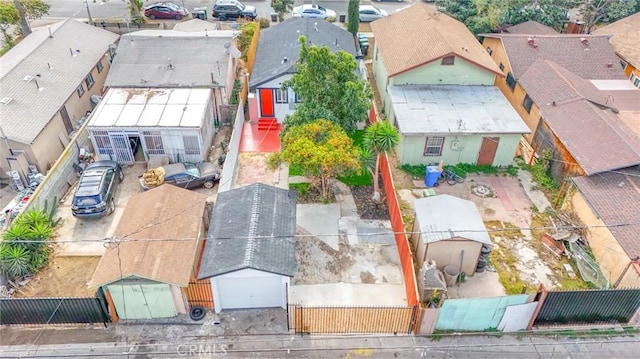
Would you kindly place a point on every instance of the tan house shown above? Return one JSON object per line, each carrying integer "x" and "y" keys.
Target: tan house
{"x": 624, "y": 35}
{"x": 46, "y": 85}
{"x": 158, "y": 245}
{"x": 576, "y": 101}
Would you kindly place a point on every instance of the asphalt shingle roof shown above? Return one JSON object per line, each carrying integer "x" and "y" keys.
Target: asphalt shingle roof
{"x": 625, "y": 34}
{"x": 418, "y": 35}
{"x": 281, "y": 41}
{"x": 531, "y": 27}
{"x": 58, "y": 64}
{"x": 166, "y": 58}
{"x": 252, "y": 227}
{"x": 615, "y": 198}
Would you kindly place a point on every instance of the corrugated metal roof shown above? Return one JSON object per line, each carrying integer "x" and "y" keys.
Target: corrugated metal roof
{"x": 455, "y": 109}
{"x": 151, "y": 107}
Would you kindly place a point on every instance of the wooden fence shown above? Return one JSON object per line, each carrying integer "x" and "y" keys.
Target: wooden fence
{"x": 253, "y": 47}
{"x": 199, "y": 293}
{"x": 352, "y": 320}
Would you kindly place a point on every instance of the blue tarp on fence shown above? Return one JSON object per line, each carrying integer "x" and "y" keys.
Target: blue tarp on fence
{"x": 475, "y": 314}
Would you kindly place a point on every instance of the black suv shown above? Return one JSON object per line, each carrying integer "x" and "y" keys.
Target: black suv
{"x": 94, "y": 196}
{"x": 233, "y": 9}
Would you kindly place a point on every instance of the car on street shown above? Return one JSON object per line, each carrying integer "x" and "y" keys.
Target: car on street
{"x": 397, "y": 0}
{"x": 95, "y": 194}
{"x": 165, "y": 10}
{"x": 233, "y": 9}
{"x": 313, "y": 11}
{"x": 368, "y": 13}
{"x": 188, "y": 175}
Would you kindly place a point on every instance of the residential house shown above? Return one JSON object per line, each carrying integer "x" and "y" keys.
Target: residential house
{"x": 249, "y": 254}
{"x": 450, "y": 231}
{"x": 624, "y": 35}
{"x": 577, "y": 103}
{"x": 154, "y": 253}
{"x": 277, "y": 52}
{"x": 437, "y": 86}
{"x": 151, "y": 64}
{"x": 530, "y": 27}
{"x": 609, "y": 204}
{"x": 46, "y": 84}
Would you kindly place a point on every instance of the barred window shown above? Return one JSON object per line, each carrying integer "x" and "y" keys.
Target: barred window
{"x": 191, "y": 145}
{"x": 153, "y": 142}
{"x": 433, "y": 146}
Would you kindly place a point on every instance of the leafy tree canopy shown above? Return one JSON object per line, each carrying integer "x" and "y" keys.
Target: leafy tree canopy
{"x": 329, "y": 87}
{"x": 282, "y": 7}
{"x": 322, "y": 150}
{"x": 354, "y": 16}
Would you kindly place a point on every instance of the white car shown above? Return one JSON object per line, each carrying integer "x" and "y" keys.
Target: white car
{"x": 313, "y": 11}
{"x": 370, "y": 13}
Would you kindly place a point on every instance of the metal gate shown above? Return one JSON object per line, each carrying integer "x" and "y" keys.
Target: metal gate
{"x": 121, "y": 148}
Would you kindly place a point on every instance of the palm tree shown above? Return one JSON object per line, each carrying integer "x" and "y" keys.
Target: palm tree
{"x": 380, "y": 138}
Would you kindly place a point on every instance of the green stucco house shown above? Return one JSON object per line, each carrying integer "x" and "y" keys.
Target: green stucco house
{"x": 437, "y": 86}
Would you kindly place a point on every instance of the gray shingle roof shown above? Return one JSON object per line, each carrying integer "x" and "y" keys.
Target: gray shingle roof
{"x": 531, "y": 28}
{"x": 166, "y": 58}
{"x": 60, "y": 73}
{"x": 252, "y": 227}
{"x": 280, "y": 41}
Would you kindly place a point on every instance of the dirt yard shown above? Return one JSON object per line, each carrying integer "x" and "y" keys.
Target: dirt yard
{"x": 63, "y": 277}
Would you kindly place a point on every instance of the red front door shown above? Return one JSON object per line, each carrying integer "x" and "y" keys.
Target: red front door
{"x": 266, "y": 103}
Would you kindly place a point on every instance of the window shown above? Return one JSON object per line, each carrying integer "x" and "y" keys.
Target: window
{"x": 80, "y": 90}
{"x": 527, "y": 103}
{"x": 623, "y": 64}
{"x": 281, "y": 95}
{"x": 635, "y": 80}
{"x": 489, "y": 51}
{"x": 501, "y": 66}
{"x": 449, "y": 60}
{"x": 297, "y": 98}
{"x": 99, "y": 66}
{"x": 433, "y": 146}
{"x": 103, "y": 142}
{"x": 191, "y": 145}
{"x": 153, "y": 142}
{"x": 511, "y": 81}
{"x": 89, "y": 81}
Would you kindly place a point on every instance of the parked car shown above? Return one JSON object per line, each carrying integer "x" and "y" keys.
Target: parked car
{"x": 398, "y": 0}
{"x": 313, "y": 11}
{"x": 165, "y": 10}
{"x": 188, "y": 175}
{"x": 96, "y": 190}
{"x": 368, "y": 13}
{"x": 232, "y": 9}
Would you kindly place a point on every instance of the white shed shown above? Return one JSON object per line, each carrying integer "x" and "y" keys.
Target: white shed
{"x": 134, "y": 124}
{"x": 249, "y": 255}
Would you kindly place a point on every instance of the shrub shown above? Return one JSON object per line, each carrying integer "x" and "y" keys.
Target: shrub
{"x": 264, "y": 22}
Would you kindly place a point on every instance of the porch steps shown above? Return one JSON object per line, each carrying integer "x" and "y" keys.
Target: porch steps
{"x": 265, "y": 124}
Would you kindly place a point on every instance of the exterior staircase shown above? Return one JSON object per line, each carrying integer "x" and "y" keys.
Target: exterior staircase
{"x": 266, "y": 124}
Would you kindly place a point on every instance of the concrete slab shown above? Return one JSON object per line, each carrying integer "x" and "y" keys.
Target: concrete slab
{"x": 348, "y": 227}
{"x": 481, "y": 285}
{"x": 253, "y": 168}
{"x": 348, "y": 294}
{"x": 536, "y": 196}
{"x": 320, "y": 220}
{"x": 375, "y": 232}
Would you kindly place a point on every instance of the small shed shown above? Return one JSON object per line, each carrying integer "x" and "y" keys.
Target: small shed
{"x": 249, "y": 254}
{"x": 153, "y": 253}
{"x": 135, "y": 124}
{"x": 450, "y": 231}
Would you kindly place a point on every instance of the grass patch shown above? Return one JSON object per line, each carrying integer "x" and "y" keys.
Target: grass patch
{"x": 629, "y": 330}
{"x": 569, "y": 333}
{"x": 302, "y": 188}
{"x": 357, "y": 179}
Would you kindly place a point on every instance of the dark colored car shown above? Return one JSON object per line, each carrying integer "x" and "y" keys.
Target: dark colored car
{"x": 95, "y": 194}
{"x": 188, "y": 175}
{"x": 232, "y": 9}
{"x": 165, "y": 10}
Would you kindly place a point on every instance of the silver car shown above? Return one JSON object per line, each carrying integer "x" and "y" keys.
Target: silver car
{"x": 368, "y": 13}
{"x": 313, "y": 11}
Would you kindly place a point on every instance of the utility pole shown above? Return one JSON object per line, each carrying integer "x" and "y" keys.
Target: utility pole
{"x": 86, "y": 3}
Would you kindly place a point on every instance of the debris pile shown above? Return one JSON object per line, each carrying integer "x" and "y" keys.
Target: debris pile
{"x": 154, "y": 177}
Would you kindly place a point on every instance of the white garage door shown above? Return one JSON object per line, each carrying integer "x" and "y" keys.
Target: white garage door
{"x": 250, "y": 292}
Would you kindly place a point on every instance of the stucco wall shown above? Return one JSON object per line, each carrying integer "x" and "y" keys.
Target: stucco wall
{"x": 449, "y": 252}
{"x": 461, "y": 72}
{"x": 606, "y": 249}
{"x": 630, "y": 277}
{"x": 281, "y": 110}
{"x": 411, "y": 149}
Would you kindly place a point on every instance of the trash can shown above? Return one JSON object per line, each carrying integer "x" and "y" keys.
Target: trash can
{"x": 274, "y": 17}
{"x": 431, "y": 176}
{"x": 343, "y": 18}
{"x": 451, "y": 273}
{"x": 200, "y": 13}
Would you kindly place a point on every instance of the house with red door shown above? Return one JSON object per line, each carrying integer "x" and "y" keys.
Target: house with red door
{"x": 277, "y": 52}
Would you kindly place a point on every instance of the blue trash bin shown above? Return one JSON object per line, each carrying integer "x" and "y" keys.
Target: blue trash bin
{"x": 431, "y": 176}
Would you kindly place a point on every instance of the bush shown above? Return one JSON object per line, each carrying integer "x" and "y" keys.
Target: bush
{"x": 264, "y": 22}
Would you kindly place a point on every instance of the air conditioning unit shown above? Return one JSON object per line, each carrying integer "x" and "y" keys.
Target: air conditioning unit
{"x": 457, "y": 145}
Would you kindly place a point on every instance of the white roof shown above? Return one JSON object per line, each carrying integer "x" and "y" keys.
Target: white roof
{"x": 123, "y": 107}
{"x": 444, "y": 217}
{"x": 454, "y": 109}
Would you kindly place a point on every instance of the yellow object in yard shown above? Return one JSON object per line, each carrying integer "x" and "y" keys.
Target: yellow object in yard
{"x": 154, "y": 177}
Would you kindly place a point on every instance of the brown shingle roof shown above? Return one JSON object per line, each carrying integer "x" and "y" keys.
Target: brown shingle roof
{"x": 531, "y": 28}
{"x": 149, "y": 227}
{"x": 615, "y": 197}
{"x": 591, "y": 59}
{"x": 416, "y": 36}
{"x": 625, "y": 39}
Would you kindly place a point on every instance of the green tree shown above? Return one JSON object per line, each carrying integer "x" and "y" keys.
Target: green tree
{"x": 282, "y": 7}
{"x": 322, "y": 150}
{"x": 354, "y": 17}
{"x": 595, "y": 11}
{"x": 329, "y": 87}
{"x": 8, "y": 16}
{"x": 18, "y": 13}
{"x": 379, "y": 138}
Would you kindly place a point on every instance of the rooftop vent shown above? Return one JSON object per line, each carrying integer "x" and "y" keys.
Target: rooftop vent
{"x": 609, "y": 64}
{"x": 584, "y": 41}
{"x": 530, "y": 41}
{"x": 27, "y": 78}
{"x": 6, "y": 100}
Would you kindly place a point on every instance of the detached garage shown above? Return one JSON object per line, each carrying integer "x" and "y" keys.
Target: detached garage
{"x": 154, "y": 256}
{"x": 249, "y": 254}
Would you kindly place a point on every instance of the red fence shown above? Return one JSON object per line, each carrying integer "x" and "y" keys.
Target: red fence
{"x": 402, "y": 242}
